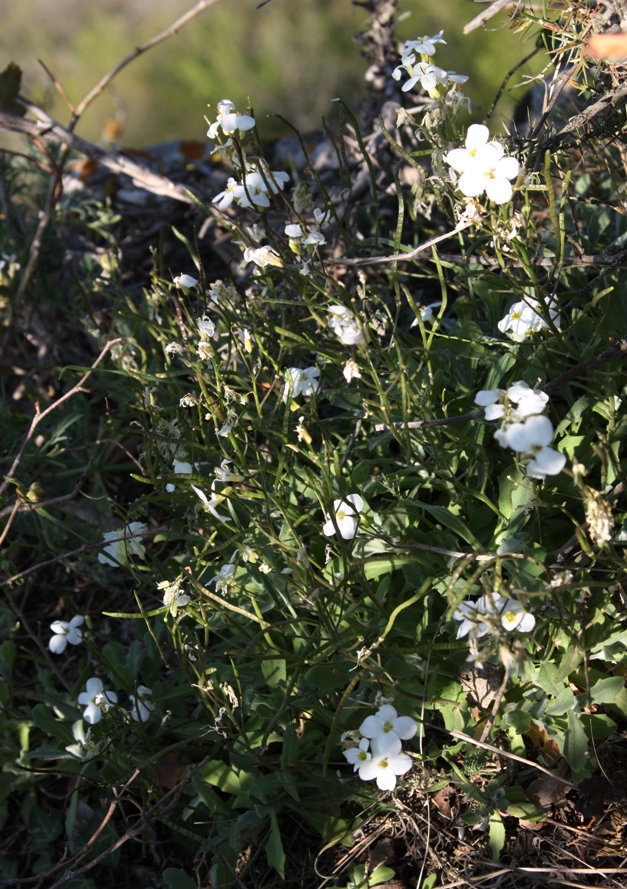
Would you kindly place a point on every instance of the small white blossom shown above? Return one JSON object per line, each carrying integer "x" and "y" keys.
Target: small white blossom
{"x": 122, "y": 544}
{"x": 359, "y": 755}
{"x": 533, "y": 438}
{"x": 211, "y": 505}
{"x": 230, "y": 423}
{"x": 351, "y": 371}
{"x": 345, "y": 325}
{"x": 475, "y": 617}
{"x": 346, "y": 517}
{"x": 229, "y": 121}
{"x": 206, "y": 327}
{"x": 185, "y": 281}
{"x": 65, "y": 632}
{"x": 263, "y": 256}
{"x": 173, "y": 598}
{"x": 423, "y": 45}
{"x": 301, "y": 382}
{"x": 524, "y": 317}
{"x": 388, "y": 728}
{"x": 179, "y": 468}
{"x": 96, "y": 701}
{"x": 483, "y": 166}
{"x": 142, "y": 707}
{"x": 384, "y": 768}
{"x": 224, "y": 578}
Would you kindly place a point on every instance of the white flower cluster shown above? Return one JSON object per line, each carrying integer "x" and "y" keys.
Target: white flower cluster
{"x": 96, "y": 701}
{"x": 483, "y": 166}
{"x": 229, "y": 121}
{"x": 524, "y": 428}
{"x": 345, "y": 325}
{"x": 257, "y": 184}
{"x": 415, "y": 62}
{"x": 477, "y": 618}
{"x": 377, "y": 751}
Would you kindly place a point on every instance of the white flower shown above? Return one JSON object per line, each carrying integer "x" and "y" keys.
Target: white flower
{"x": 483, "y": 166}
{"x": 185, "y": 281}
{"x": 293, "y": 231}
{"x": 125, "y": 542}
{"x": 230, "y": 423}
{"x": 142, "y": 708}
{"x": 345, "y": 325}
{"x": 425, "y": 313}
{"x": 179, "y": 468}
{"x": 533, "y": 437}
{"x": 423, "y": 45}
{"x": 96, "y": 701}
{"x": 524, "y": 317}
{"x": 224, "y": 474}
{"x": 263, "y": 256}
{"x": 510, "y": 612}
{"x": 211, "y": 505}
{"x": 385, "y": 767}
{"x": 428, "y": 75}
{"x": 232, "y": 192}
{"x": 229, "y": 120}
{"x": 301, "y": 382}
{"x": 491, "y": 400}
{"x": 223, "y": 579}
{"x": 357, "y": 756}
{"x": 529, "y": 401}
{"x": 314, "y": 239}
{"x": 65, "y": 632}
{"x": 173, "y": 598}
{"x": 351, "y": 371}
{"x": 346, "y": 517}
{"x": 206, "y": 327}
{"x": 514, "y": 617}
{"x": 387, "y": 727}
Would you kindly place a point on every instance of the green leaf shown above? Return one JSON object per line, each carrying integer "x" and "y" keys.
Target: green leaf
{"x": 446, "y": 518}
{"x": 576, "y": 748}
{"x": 221, "y": 775}
{"x": 10, "y": 80}
{"x": 497, "y": 835}
{"x": 605, "y": 691}
{"x": 274, "y": 847}
{"x": 381, "y": 874}
{"x": 44, "y": 827}
{"x": 331, "y": 828}
{"x": 274, "y": 671}
{"x": 43, "y": 719}
{"x": 178, "y": 879}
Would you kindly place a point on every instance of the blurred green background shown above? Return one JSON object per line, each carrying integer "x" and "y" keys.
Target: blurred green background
{"x": 290, "y": 57}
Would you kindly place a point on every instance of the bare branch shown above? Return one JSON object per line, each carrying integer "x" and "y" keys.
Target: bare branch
{"x": 39, "y": 416}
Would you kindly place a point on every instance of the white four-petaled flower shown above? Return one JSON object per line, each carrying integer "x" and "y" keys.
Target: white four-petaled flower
{"x": 301, "y": 382}
{"x": 388, "y": 729}
{"x": 142, "y": 707}
{"x": 483, "y": 166}
{"x": 123, "y": 544}
{"x": 65, "y": 632}
{"x": 96, "y": 701}
{"x": 229, "y": 121}
{"x": 385, "y": 767}
{"x": 346, "y": 517}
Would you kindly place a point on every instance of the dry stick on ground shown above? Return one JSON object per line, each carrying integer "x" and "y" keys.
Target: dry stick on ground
{"x": 403, "y": 257}
{"x": 49, "y": 130}
{"x": 55, "y": 182}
